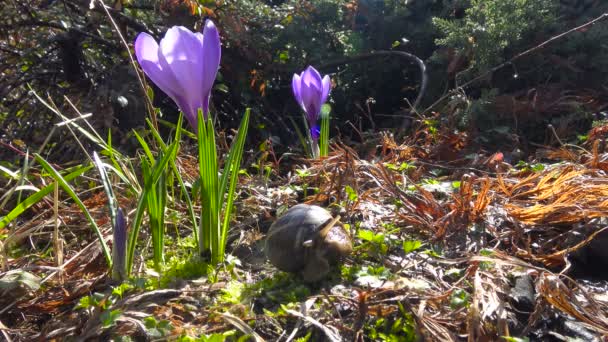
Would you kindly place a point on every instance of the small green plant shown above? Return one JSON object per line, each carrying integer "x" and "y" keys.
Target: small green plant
{"x": 434, "y": 251}
{"x": 372, "y": 242}
{"x": 303, "y": 174}
{"x": 184, "y": 265}
{"x": 92, "y": 301}
{"x": 157, "y": 329}
{"x": 527, "y": 167}
{"x": 109, "y": 317}
{"x": 263, "y": 167}
{"x": 232, "y": 293}
{"x": 351, "y": 193}
{"x": 305, "y": 338}
{"x": 217, "y": 337}
{"x": 459, "y": 298}
{"x": 99, "y": 302}
{"x": 122, "y": 289}
{"x": 393, "y": 329}
{"x": 281, "y": 289}
{"x": 403, "y": 167}
{"x": 411, "y": 245}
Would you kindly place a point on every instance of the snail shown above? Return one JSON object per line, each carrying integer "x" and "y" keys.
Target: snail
{"x": 307, "y": 240}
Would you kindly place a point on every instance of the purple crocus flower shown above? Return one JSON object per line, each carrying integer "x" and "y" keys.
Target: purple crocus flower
{"x": 184, "y": 65}
{"x": 311, "y": 91}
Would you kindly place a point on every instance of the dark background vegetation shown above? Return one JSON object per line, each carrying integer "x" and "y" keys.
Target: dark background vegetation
{"x": 498, "y": 175}
{"x": 64, "y": 49}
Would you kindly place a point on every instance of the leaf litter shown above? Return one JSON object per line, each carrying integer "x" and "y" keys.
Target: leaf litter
{"x": 493, "y": 259}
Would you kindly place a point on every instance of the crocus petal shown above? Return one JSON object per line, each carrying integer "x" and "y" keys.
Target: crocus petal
{"x": 212, "y": 53}
{"x": 308, "y": 102}
{"x": 183, "y": 54}
{"x": 295, "y": 86}
{"x": 181, "y": 96}
{"x": 312, "y": 78}
{"x": 189, "y": 110}
{"x": 146, "y": 51}
{"x": 326, "y": 88}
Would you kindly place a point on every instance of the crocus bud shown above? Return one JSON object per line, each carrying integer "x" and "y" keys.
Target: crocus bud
{"x": 311, "y": 91}
{"x": 119, "y": 251}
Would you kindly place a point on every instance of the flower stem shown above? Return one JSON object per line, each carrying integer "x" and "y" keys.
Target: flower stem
{"x": 314, "y": 148}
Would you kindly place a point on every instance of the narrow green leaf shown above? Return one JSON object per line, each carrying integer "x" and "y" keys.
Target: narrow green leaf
{"x": 209, "y": 227}
{"x": 302, "y": 138}
{"x": 233, "y": 166}
{"x": 35, "y": 198}
{"x": 324, "y": 138}
{"x": 153, "y": 178}
{"x": 180, "y": 180}
{"x": 145, "y": 146}
{"x": 107, "y": 186}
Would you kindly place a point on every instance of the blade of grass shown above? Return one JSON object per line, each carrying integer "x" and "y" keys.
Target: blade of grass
{"x": 161, "y": 202}
{"x": 107, "y": 186}
{"x": 172, "y": 125}
{"x": 21, "y": 178}
{"x": 145, "y": 146}
{"x": 35, "y": 198}
{"x": 117, "y": 165}
{"x": 67, "y": 188}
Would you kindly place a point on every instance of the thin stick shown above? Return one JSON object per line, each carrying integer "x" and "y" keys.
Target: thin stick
{"x": 142, "y": 81}
{"x": 3, "y": 258}
{"x": 3, "y": 328}
{"x": 57, "y": 243}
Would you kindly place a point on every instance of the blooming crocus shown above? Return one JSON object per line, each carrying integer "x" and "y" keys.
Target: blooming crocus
{"x": 184, "y": 65}
{"x": 311, "y": 91}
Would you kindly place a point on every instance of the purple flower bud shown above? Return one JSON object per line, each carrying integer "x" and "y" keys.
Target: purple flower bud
{"x": 184, "y": 65}
{"x": 311, "y": 91}
{"x": 119, "y": 251}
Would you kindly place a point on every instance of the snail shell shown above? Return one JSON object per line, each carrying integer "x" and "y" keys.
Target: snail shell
{"x": 306, "y": 239}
